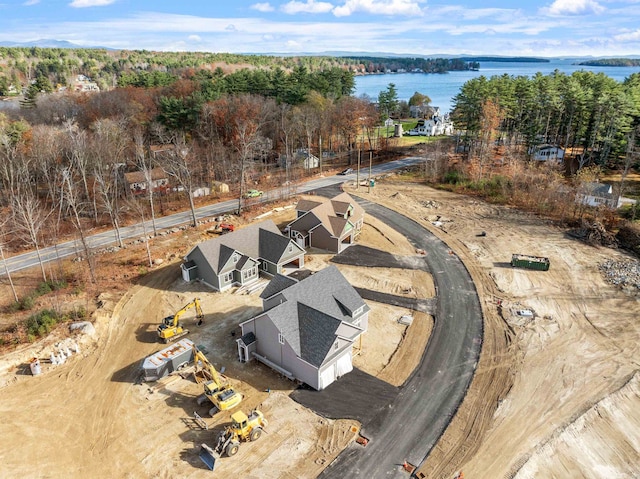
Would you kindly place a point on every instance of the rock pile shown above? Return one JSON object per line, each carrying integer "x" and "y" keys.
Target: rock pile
{"x": 625, "y": 274}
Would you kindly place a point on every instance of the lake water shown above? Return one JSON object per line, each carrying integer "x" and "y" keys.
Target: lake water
{"x": 441, "y": 88}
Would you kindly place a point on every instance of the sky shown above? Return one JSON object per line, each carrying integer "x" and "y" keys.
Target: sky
{"x": 601, "y": 28}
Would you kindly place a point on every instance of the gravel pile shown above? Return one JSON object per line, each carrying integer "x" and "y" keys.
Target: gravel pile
{"x": 625, "y": 274}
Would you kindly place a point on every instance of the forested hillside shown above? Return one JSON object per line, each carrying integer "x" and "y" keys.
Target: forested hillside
{"x": 58, "y": 67}
{"x": 586, "y": 112}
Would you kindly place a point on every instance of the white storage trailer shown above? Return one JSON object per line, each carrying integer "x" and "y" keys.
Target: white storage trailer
{"x": 168, "y": 360}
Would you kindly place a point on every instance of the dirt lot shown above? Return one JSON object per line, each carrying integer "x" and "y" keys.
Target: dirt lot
{"x": 555, "y": 395}
{"x": 565, "y": 382}
{"x": 111, "y": 425}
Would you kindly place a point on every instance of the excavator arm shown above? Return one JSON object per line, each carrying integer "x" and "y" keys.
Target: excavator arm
{"x": 216, "y": 388}
{"x": 173, "y": 321}
{"x": 170, "y": 328}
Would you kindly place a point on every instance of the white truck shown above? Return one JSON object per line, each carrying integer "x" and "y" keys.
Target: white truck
{"x": 168, "y": 360}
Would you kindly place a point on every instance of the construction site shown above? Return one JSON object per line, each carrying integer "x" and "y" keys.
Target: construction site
{"x": 155, "y": 373}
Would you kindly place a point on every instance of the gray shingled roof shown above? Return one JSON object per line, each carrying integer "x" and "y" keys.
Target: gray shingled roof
{"x": 325, "y": 291}
{"x": 279, "y": 283}
{"x": 248, "y": 338}
{"x": 331, "y": 213}
{"x": 259, "y": 241}
{"x": 306, "y": 205}
{"x": 313, "y": 310}
{"x": 317, "y": 334}
{"x": 597, "y": 189}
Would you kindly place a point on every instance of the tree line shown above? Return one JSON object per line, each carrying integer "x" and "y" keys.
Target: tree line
{"x": 63, "y": 160}
{"x": 589, "y": 114}
{"x": 20, "y": 66}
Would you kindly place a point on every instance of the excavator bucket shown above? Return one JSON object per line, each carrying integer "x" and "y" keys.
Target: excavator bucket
{"x": 208, "y": 456}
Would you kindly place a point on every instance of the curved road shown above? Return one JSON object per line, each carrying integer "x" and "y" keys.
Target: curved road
{"x": 428, "y": 400}
{"x": 107, "y": 238}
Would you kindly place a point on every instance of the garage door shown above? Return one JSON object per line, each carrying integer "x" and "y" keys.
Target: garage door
{"x": 327, "y": 377}
{"x": 343, "y": 365}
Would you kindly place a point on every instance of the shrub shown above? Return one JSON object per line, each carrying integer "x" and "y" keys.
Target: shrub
{"x": 39, "y": 324}
{"x": 454, "y": 177}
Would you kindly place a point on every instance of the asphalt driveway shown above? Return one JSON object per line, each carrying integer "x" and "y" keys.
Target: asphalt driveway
{"x": 414, "y": 418}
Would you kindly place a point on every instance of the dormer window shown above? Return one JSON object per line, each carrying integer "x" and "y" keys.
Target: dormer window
{"x": 281, "y": 338}
{"x": 336, "y": 345}
{"x": 357, "y": 312}
{"x": 234, "y": 258}
{"x": 290, "y": 248}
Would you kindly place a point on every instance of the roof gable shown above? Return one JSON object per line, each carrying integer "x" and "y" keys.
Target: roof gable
{"x": 317, "y": 334}
{"x": 261, "y": 240}
{"x": 279, "y": 283}
{"x": 333, "y": 214}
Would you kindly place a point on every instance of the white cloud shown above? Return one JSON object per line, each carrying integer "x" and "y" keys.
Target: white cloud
{"x": 28, "y": 3}
{"x": 90, "y": 3}
{"x": 573, "y": 7}
{"x": 379, "y": 7}
{"x": 194, "y": 38}
{"x": 262, "y": 7}
{"x": 310, "y": 6}
{"x": 628, "y": 37}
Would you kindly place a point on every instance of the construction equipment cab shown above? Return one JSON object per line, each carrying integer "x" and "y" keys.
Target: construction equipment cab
{"x": 243, "y": 428}
{"x": 171, "y": 329}
{"x": 216, "y": 387}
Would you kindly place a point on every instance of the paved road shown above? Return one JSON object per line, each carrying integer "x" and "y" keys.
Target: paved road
{"x": 107, "y": 238}
{"x": 419, "y": 414}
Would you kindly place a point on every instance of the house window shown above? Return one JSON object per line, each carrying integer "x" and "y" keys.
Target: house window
{"x": 356, "y": 322}
{"x": 290, "y": 248}
{"x": 228, "y": 277}
{"x": 234, "y": 258}
{"x": 336, "y": 345}
{"x": 281, "y": 338}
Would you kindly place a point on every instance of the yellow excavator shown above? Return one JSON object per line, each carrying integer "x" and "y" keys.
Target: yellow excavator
{"x": 216, "y": 387}
{"x": 171, "y": 329}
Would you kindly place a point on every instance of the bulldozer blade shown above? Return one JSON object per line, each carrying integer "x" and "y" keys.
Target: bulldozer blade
{"x": 208, "y": 456}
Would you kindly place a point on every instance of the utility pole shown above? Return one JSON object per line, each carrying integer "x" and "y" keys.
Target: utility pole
{"x": 358, "y": 170}
{"x": 370, "y": 180}
{"x": 6, "y": 269}
{"x": 320, "y": 153}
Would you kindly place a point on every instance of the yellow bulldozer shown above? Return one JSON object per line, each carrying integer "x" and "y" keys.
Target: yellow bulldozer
{"x": 243, "y": 428}
{"x": 171, "y": 329}
{"x": 216, "y": 387}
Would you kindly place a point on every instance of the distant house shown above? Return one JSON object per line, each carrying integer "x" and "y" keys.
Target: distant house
{"x": 435, "y": 126}
{"x": 424, "y": 111}
{"x": 331, "y": 225}
{"x": 308, "y": 328}
{"x": 238, "y": 258}
{"x": 547, "y": 153}
{"x": 137, "y": 182}
{"x": 83, "y": 83}
{"x": 597, "y": 194}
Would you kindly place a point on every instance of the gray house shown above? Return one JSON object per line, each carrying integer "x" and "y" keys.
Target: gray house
{"x": 597, "y": 194}
{"x": 308, "y": 327}
{"x": 238, "y": 258}
{"x": 330, "y": 225}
